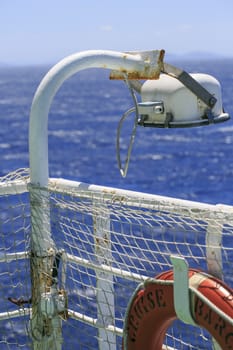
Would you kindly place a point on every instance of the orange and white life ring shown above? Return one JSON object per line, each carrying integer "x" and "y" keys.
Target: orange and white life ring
{"x": 151, "y": 311}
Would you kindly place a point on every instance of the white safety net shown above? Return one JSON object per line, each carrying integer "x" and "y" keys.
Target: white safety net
{"x": 107, "y": 242}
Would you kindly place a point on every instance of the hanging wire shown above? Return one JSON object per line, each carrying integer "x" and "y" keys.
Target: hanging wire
{"x": 124, "y": 169}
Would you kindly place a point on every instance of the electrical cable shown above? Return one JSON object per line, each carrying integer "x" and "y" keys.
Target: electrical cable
{"x": 124, "y": 169}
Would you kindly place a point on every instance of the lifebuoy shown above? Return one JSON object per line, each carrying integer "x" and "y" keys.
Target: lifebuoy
{"x": 151, "y": 311}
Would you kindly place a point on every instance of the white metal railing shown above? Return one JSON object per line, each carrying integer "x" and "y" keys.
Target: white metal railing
{"x": 104, "y": 270}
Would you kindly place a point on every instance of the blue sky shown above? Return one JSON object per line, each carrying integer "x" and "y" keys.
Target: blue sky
{"x": 45, "y": 31}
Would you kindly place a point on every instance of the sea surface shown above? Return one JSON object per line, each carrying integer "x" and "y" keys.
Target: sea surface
{"x": 194, "y": 164}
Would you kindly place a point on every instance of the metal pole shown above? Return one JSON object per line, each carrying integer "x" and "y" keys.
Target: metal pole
{"x": 45, "y": 320}
{"x": 104, "y": 280}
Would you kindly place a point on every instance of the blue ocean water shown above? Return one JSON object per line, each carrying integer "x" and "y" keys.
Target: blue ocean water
{"x": 193, "y": 164}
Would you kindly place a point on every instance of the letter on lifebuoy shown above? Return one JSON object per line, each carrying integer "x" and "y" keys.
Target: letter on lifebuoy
{"x": 152, "y": 311}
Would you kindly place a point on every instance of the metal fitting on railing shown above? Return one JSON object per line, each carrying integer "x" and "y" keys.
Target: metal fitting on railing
{"x": 52, "y": 304}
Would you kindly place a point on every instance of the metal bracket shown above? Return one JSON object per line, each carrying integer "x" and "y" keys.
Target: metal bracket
{"x": 156, "y": 65}
{"x": 190, "y": 83}
{"x": 153, "y": 65}
{"x": 181, "y": 289}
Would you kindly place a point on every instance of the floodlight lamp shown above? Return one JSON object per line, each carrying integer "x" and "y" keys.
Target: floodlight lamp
{"x": 176, "y": 100}
{"x": 168, "y": 103}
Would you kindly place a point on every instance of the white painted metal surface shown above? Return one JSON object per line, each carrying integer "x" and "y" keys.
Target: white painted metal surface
{"x": 46, "y": 330}
{"x": 105, "y": 272}
{"x": 38, "y": 137}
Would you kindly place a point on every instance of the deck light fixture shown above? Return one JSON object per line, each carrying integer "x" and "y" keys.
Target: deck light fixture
{"x": 175, "y": 100}
{"x": 169, "y": 103}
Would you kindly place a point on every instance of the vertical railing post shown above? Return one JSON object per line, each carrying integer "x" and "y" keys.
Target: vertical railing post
{"x": 214, "y": 254}
{"x": 104, "y": 280}
{"x": 45, "y": 323}
{"x": 213, "y": 248}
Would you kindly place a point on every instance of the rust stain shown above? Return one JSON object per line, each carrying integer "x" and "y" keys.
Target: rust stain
{"x": 97, "y": 240}
{"x": 120, "y": 75}
{"x": 102, "y": 241}
{"x": 149, "y": 72}
{"x": 161, "y": 55}
{"x": 64, "y": 314}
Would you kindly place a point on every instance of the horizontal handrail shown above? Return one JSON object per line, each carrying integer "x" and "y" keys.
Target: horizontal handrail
{"x": 145, "y": 200}
{"x": 15, "y": 313}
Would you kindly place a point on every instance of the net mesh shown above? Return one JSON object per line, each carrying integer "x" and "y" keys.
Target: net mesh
{"x": 109, "y": 241}
{"x": 14, "y": 269}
